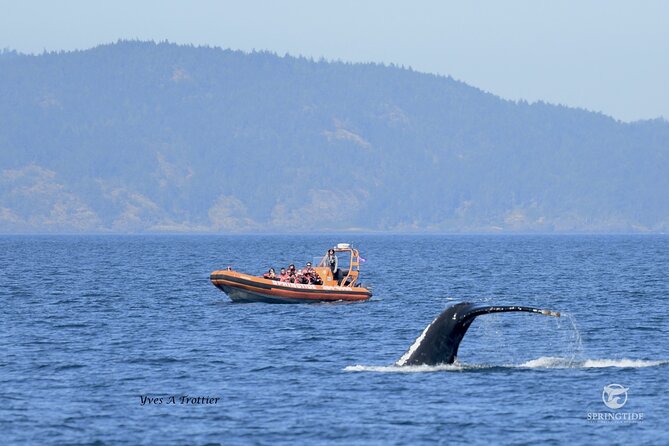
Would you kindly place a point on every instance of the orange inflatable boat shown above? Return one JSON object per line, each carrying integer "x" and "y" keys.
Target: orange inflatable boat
{"x": 338, "y": 282}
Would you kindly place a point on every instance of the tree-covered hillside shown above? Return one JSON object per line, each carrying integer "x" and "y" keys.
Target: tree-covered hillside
{"x": 138, "y": 136}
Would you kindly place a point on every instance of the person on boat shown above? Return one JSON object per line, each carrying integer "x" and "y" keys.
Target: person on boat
{"x": 315, "y": 279}
{"x": 302, "y": 276}
{"x": 331, "y": 260}
{"x": 283, "y": 276}
{"x": 310, "y": 274}
{"x": 292, "y": 273}
{"x": 271, "y": 275}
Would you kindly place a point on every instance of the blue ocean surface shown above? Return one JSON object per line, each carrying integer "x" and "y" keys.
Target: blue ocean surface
{"x": 110, "y": 340}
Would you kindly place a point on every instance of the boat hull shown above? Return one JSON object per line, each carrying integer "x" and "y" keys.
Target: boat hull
{"x": 242, "y": 287}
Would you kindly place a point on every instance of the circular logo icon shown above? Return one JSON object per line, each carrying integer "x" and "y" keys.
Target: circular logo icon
{"x": 614, "y": 396}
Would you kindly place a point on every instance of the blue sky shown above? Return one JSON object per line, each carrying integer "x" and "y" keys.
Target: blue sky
{"x": 607, "y": 56}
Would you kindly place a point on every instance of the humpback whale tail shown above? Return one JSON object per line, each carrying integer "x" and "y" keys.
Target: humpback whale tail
{"x": 439, "y": 342}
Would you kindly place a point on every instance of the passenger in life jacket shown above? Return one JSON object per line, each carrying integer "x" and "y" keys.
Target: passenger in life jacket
{"x": 300, "y": 277}
{"x": 292, "y": 273}
{"x": 284, "y": 277}
{"x": 316, "y": 279}
{"x": 271, "y": 275}
{"x": 310, "y": 274}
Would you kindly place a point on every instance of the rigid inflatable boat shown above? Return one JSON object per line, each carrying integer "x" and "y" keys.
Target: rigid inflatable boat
{"x": 342, "y": 284}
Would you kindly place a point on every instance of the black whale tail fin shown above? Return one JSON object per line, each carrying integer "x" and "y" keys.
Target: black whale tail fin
{"x": 439, "y": 342}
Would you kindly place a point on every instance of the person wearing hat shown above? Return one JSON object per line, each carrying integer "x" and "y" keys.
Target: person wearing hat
{"x": 310, "y": 274}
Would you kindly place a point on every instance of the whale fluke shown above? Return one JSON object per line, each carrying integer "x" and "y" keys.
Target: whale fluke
{"x": 439, "y": 342}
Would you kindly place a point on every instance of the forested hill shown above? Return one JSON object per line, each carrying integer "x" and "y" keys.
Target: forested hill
{"x": 145, "y": 137}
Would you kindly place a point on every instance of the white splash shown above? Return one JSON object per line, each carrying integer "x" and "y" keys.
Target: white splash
{"x": 631, "y": 363}
{"x": 546, "y": 362}
{"x": 404, "y": 369}
{"x": 549, "y": 362}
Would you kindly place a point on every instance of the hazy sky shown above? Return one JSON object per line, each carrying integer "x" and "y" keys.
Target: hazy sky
{"x": 609, "y": 56}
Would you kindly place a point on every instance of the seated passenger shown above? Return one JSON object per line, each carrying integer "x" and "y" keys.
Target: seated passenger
{"x": 284, "y": 277}
{"x": 271, "y": 275}
{"x": 311, "y": 275}
{"x": 292, "y": 273}
{"x": 316, "y": 279}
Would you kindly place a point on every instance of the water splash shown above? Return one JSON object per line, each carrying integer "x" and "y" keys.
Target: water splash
{"x": 568, "y": 363}
{"x": 403, "y": 369}
{"x": 545, "y": 362}
{"x": 575, "y": 339}
{"x": 457, "y": 366}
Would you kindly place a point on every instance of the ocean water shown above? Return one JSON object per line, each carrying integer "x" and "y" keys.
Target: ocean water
{"x": 92, "y": 327}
